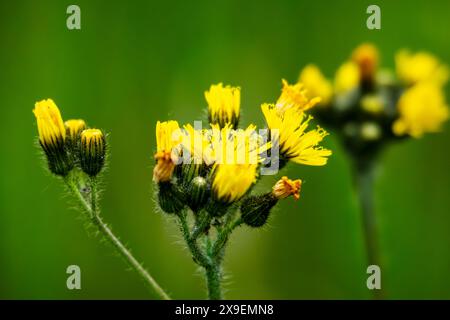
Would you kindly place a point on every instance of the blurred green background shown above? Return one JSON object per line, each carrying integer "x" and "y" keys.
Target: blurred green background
{"x": 134, "y": 62}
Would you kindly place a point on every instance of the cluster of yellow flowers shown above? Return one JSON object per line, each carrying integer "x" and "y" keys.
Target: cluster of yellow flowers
{"x": 412, "y": 103}
{"x": 228, "y": 158}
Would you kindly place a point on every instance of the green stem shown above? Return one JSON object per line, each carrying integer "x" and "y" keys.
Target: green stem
{"x": 364, "y": 180}
{"x": 92, "y": 209}
{"x": 213, "y": 280}
{"x": 222, "y": 238}
{"x": 197, "y": 254}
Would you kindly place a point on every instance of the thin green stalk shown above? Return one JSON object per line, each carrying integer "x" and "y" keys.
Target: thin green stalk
{"x": 364, "y": 180}
{"x": 93, "y": 211}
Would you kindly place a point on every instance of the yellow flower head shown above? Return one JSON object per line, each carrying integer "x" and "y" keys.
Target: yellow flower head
{"x": 286, "y": 187}
{"x": 232, "y": 181}
{"x": 168, "y": 137}
{"x": 366, "y": 57}
{"x": 347, "y": 77}
{"x": 196, "y": 143}
{"x": 422, "y": 66}
{"x": 295, "y": 144}
{"x": 74, "y": 127}
{"x": 223, "y": 105}
{"x": 294, "y": 97}
{"x": 229, "y": 146}
{"x": 316, "y": 84}
{"x": 52, "y": 132}
{"x": 421, "y": 109}
{"x": 92, "y": 151}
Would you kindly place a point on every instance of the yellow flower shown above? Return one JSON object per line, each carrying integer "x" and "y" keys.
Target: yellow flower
{"x": 196, "y": 143}
{"x": 52, "y": 132}
{"x": 286, "y": 187}
{"x": 74, "y": 127}
{"x": 422, "y": 66}
{"x": 421, "y": 109}
{"x": 316, "y": 84}
{"x": 366, "y": 57}
{"x": 92, "y": 151}
{"x": 223, "y": 105}
{"x": 347, "y": 77}
{"x": 232, "y": 181}
{"x": 168, "y": 136}
{"x": 229, "y": 146}
{"x": 294, "y": 97}
{"x": 295, "y": 144}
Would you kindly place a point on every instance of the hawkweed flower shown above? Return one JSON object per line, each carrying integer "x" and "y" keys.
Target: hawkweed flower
{"x": 220, "y": 165}
{"x": 294, "y": 97}
{"x": 316, "y": 83}
{"x": 232, "y": 181}
{"x": 223, "y": 105}
{"x": 166, "y": 132}
{"x": 52, "y": 137}
{"x": 168, "y": 138}
{"x": 255, "y": 210}
{"x": 366, "y": 57}
{"x": 78, "y": 155}
{"x": 413, "y": 68}
{"x": 421, "y": 109}
{"x": 92, "y": 151}
{"x": 295, "y": 143}
{"x": 347, "y": 78}
{"x": 371, "y": 108}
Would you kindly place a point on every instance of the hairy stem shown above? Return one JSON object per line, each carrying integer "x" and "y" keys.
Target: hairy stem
{"x": 222, "y": 239}
{"x": 197, "y": 254}
{"x": 93, "y": 212}
{"x": 213, "y": 280}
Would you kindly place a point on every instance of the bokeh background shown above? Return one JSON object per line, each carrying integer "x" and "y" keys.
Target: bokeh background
{"x": 134, "y": 62}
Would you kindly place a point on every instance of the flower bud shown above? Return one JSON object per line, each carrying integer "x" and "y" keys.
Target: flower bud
{"x": 52, "y": 137}
{"x": 74, "y": 127}
{"x": 92, "y": 151}
{"x": 198, "y": 193}
{"x": 170, "y": 198}
{"x": 223, "y": 105}
{"x": 256, "y": 209}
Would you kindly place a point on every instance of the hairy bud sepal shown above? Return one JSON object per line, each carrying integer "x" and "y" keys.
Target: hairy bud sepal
{"x": 198, "y": 193}
{"x": 92, "y": 151}
{"x": 255, "y": 210}
{"x": 170, "y": 198}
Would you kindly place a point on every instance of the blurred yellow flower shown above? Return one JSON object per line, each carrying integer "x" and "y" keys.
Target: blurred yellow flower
{"x": 52, "y": 132}
{"x": 316, "y": 84}
{"x": 295, "y": 144}
{"x": 422, "y": 109}
{"x": 223, "y": 104}
{"x": 347, "y": 77}
{"x": 366, "y": 57}
{"x": 294, "y": 97}
{"x": 421, "y": 66}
